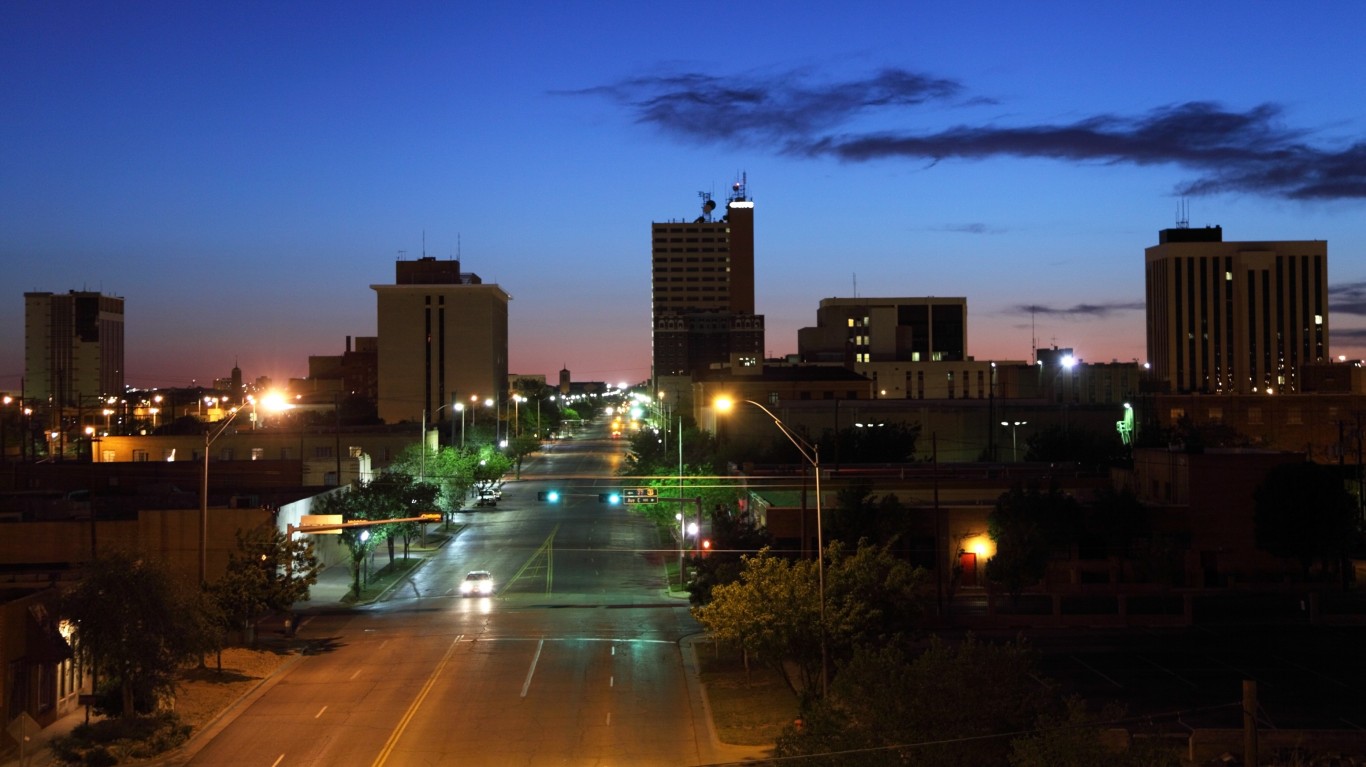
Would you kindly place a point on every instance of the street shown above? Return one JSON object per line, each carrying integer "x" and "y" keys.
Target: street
{"x": 575, "y": 660}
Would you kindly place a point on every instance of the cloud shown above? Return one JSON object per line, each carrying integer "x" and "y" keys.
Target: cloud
{"x": 1348, "y": 298}
{"x": 1080, "y": 311}
{"x": 972, "y": 228}
{"x": 1226, "y": 150}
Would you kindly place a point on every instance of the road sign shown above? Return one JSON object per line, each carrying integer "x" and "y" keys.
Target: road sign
{"x": 640, "y": 495}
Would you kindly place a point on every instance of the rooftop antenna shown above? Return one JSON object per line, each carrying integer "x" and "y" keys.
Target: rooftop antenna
{"x": 402, "y": 254}
{"x": 708, "y": 205}
{"x": 424, "y": 243}
{"x": 1183, "y": 217}
{"x": 1033, "y": 337}
{"x": 855, "y": 284}
{"x": 738, "y": 189}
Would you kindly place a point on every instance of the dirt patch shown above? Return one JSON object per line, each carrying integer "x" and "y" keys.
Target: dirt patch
{"x": 203, "y": 693}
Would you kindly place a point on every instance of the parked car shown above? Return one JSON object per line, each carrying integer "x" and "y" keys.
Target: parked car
{"x": 488, "y": 498}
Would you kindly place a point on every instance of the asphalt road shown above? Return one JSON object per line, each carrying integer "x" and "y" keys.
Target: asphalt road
{"x": 576, "y": 659}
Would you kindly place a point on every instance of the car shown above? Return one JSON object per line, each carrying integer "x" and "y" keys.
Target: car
{"x": 488, "y": 498}
{"x": 478, "y": 583}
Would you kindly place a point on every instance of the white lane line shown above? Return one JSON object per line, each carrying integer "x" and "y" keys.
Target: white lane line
{"x": 320, "y": 712}
{"x": 382, "y": 644}
{"x": 354, "y": 674}
{"x": 611, "y": 681}
{"x": 277, "y": 761}
{"x": 532, "y": 671}
{"x": 609, "y": 718}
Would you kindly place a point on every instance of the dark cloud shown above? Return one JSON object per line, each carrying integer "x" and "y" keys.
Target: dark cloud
{"x": 1226, "y": 150}
{"x": 1080, "y": 311}
{"x": 1348, "y": 298}
{"x": 783, "y": 109}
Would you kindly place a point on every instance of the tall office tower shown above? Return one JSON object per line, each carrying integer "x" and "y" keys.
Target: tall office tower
{"x": 703, "y": 289}
{"x": 73, "y": 346}
{"x": 443, "y": 339}
{"x": 1234, "y": 317}
{"x": 851, "y": 331}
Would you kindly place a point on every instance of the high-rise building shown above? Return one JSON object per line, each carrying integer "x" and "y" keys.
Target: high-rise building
{"x": 73, "y": 346}
{"x": 443, "y": 338}
{"x": 1234, "y": 317}
{"x": 703, "y": 289}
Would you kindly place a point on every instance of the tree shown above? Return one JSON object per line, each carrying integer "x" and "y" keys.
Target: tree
{"x": 772, "y": 613}
{"x": 733, "y": 537}
{"x": 136, "y": 624}
{"x": 268, "y": 573}
{"x": 520, "y": 447}
{"x": 1302, "y": 511}
{"x": 774, "y": 610}
{"x": 952, "y": 704}
{"x": 1028, "y": 525}
{"x": 1090, "y": 450}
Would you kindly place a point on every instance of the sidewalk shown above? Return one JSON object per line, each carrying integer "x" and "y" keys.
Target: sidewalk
{"x": 326, "y": 595}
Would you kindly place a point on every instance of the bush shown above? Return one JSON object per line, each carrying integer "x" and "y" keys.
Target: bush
{"x": 109, "y": 741}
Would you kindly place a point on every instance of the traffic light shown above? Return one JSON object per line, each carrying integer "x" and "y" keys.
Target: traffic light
{"x": 706, "y": 548}
{"x": 612, "y": 498}
{"x": 549, "y": 496}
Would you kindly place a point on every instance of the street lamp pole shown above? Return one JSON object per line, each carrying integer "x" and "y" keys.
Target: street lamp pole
{"x": 209, "y": 437}
{"x": 1014, "y": 447}
{"x": 460, "y": 407}
{"x": 812, "y": 454}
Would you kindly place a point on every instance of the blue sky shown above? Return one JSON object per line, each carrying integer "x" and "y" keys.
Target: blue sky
{"x": 242, "y": 172}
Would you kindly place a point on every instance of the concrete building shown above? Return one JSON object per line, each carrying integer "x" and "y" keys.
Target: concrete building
{"x": 443, "y": 337}
{"x": 861, "y": 330}
{"x": 702, "y": 310}
{"x": 1234, "y": 317}
{"x": 73, "y": 347}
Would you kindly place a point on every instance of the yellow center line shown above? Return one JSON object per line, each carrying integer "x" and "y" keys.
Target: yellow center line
{"x": 417, "y": 702}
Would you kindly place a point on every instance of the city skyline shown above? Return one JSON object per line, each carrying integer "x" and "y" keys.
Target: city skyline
{"x": 241, "y": 175}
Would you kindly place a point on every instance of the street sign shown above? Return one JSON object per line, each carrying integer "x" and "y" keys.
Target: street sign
{"x": 640, "y": 495}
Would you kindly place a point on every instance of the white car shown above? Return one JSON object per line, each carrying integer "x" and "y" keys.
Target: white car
{"x": 479, "y": 583}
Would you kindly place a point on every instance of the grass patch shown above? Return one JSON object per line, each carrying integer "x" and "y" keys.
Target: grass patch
{"x": 748, "y": 708}
{"x": 382, "y": 579}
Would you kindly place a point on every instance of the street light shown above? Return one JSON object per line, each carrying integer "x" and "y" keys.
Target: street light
{"x": 812, "y": 454}
{"x": 460, "y": 408}
{"x": 1014, "y": 447}
{"x": 209, "y": 437}
{"x": 517, "y": 401}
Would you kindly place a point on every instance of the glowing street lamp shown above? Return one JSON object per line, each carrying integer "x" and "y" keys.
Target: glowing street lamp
{"x": 812, "y": 454}
{"x": 1014, "y": 447}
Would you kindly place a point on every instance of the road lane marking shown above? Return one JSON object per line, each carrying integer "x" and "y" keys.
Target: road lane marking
{"x": 417, "y": 703}
{"x": 532, "y": 671}
{"x": 354, "y": 674}
{"x": 277, "y": 761}
{"x": 320, "y": 712}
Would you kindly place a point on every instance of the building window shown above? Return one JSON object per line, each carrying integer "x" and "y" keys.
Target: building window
{"x": 139, "y": 456}
{"x": 257, "y": 453}
{"x": 225, "y": 454}
{"x": 322, "y": 451}
{"x": 1216, "y": 414}
{"x": 773, "y": 398}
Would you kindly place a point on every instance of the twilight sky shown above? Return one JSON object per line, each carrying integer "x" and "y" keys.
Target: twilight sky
{"x": 242, "y": 172}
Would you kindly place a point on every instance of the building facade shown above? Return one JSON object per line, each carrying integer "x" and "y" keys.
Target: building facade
{"x": 862, "y": 330}
{"x": 1234, "y": 317}
{"x": 73, "y": 347}
{"x": 702, "y": 289}
{"x": 443, "y": 338}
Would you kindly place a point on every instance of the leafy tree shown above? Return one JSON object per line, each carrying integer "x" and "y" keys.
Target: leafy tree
{"x": 268, "y": 573}
{"x": 1028, "y": 525}
{"x": 772, "y": 613}
{"x": 872, "y": 598}
{"x": 886, "y": 443}
{"x": 952, "y": 705}
{"x": 399, "y": 495}
{"x": 1302, "y": 511}
{"x": 352, "y": 506}
{"x": 520, "y": 447}
{"x": 774, "y": 610}
{"x": 733, "y": 536}
{"x": 137, "y": 625}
